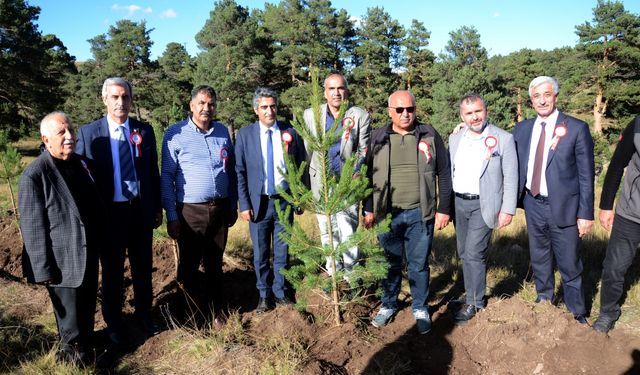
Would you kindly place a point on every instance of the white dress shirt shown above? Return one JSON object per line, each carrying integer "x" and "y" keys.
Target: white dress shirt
{"x": 550, "y": 124}
{"x": 278, "y": 157}
{"x": 467, "y": 162}
{"x": 114, "y": 137}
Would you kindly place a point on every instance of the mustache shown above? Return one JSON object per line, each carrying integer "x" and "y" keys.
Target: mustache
{"x": 205, "y": 113}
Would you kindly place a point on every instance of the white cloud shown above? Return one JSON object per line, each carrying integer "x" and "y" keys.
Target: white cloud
{"x": 496, "y": 14}
{"x": 169, "y": 13}
{"x": 131, "y": 10}
{"x": 357, "y": 21}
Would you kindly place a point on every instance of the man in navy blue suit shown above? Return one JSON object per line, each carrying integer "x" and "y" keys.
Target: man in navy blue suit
{"x": 260, "y": 149}
{"x": 555, "y": 158}
{"x": 123, "y": 151}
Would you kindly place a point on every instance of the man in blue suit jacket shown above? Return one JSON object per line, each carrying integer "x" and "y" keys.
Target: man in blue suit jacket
{"x": 555, "y": 156}
{"x": 132, "y": 218}
{"x": 258, "y": 181}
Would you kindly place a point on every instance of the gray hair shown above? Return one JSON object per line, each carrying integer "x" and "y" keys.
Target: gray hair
{"x": 264, "y": 92}
{"x": 116, "y": 81}
{"x": 204, "y": 89}
{"x": 472, "y": 98}
{"x": 45, "y": 124}
{"x": 542, "y": 80}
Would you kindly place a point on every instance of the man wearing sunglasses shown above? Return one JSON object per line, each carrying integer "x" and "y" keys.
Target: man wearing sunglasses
{"x": 354, "y": 131}
{"x": 418, "y": 202}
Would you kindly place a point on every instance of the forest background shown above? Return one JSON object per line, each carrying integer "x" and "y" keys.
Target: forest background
{"x": 278, "y": 45}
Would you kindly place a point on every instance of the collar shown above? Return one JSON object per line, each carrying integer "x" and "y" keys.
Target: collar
{"x": 264, "y": 128}
{"x": 195, "y": 127}
{"x": 113, "y": 125}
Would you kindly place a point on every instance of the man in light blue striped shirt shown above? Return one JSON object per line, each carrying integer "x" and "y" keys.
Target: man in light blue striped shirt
{"x": 199, "y": 193}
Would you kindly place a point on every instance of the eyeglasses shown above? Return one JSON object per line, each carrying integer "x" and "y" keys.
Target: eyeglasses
{"x": 399, "y": 110}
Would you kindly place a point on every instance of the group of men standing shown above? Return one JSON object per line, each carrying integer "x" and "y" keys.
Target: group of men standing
{"x": 100, "y": 195}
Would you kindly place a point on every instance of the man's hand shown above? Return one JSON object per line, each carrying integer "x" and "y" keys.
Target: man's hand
{"x": 368, "y": 220}
{"x": 458, "y": 128}
{"x": 584, "y": 226}
{"x": 233, "y": 217}
{"x": 606, "y": 219}
{"x": 173, "y": 229}
{"x": 158, "y": 219}
{"x": 442, "y": 220}
{"x": 246, "y": 215}
{"x": 504, "y": 220}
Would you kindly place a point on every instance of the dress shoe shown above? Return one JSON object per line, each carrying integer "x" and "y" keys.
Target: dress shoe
{"x": 284, "y": 301}
{"x": 263, "y": 305}
{"x": 466, "y": 313}
{"x": 580, "y": 319}
{"x": 605, "y": 323}
{"x": 150, "y": 327}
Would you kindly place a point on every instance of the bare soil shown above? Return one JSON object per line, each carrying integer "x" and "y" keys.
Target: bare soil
{"x": 510, "y": 336}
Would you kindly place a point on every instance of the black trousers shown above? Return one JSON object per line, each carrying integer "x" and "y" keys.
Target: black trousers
{"x": 622, "y": 248}
{"x": 126, "y": 238}
{"x": 203, "y": 237}
{"x": 75, "y": 308}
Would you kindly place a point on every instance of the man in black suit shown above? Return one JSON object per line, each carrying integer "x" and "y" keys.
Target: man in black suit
{"x": 126, "y": 172}
{"x": 555, "y": 156}
{"x": 60, "y": 212}
{"x": 260, "y": 150}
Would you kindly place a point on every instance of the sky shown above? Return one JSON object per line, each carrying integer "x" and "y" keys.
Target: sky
{"x": 504, "y": 26}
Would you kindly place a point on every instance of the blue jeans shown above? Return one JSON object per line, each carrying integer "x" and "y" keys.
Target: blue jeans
{"x": 411, "y": 237}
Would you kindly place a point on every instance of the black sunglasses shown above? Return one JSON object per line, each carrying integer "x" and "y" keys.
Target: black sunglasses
{"x": 399, "y": 110}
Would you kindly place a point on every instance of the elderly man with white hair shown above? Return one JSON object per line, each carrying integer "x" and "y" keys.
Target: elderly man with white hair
{"x": 60, "y": 212}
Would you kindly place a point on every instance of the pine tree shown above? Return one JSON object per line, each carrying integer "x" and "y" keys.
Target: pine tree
{"x": 336, "y": 195}
{"x": 10, "y": 167}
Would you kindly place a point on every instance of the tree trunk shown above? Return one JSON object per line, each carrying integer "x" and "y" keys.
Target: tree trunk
{"x": 519, "y": 115}
{"x": 598, "y": 111}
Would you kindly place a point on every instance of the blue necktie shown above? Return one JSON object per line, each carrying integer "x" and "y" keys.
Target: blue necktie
{"x": 271, "y": 186}
{"x": 127, "y": 171}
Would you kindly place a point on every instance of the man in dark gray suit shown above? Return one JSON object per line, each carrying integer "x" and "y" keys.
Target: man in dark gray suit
{"x": 124, "y": 153}
{"x": 484, "y": 170}
{"x": 60, "y": 210}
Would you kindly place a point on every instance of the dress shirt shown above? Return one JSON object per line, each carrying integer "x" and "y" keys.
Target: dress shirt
{"x": 335, "y": 162}
{"x": 278, "y": 157}
{"x": 550, "y": 124}
{"x": 193, "y": 169}
{"x": 467, "y": 162}
{"x": 114, "y": 137}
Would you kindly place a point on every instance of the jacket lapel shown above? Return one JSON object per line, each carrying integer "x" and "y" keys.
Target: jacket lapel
{"x": 57, "y": 181}
{"x": 560, "y": 120}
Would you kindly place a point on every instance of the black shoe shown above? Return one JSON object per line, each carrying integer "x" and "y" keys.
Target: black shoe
{"x": 149, "y": 327}
{"x": 466, "y": 313}
{"x": 605, "y": 323}
{"x": 263, "y": 305}
{"x": 284, "y": 301}
{"x": 580, "y": 319}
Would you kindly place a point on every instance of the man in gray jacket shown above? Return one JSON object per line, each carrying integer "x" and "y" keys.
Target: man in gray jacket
{"x": 354, "y": 131}
{"x": 484, "y": 170}
{"x": 60, "y": 214}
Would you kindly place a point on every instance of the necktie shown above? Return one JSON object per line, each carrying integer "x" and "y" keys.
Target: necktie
{"x": 127, "y": 171}
{"x": 537, "y": 164}
{"x": 271, "y": 186}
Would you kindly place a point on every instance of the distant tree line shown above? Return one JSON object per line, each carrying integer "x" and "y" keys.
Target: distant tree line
{"x": 278, "y": 46}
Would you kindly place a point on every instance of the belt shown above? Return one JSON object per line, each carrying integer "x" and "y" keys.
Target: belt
{"x": 213, "y": 202}
{"x": 274, "y": 196}
{"x": 541, "y": 198}
{"x": 130, "y": 202}
{"x": 467, "y": 196}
